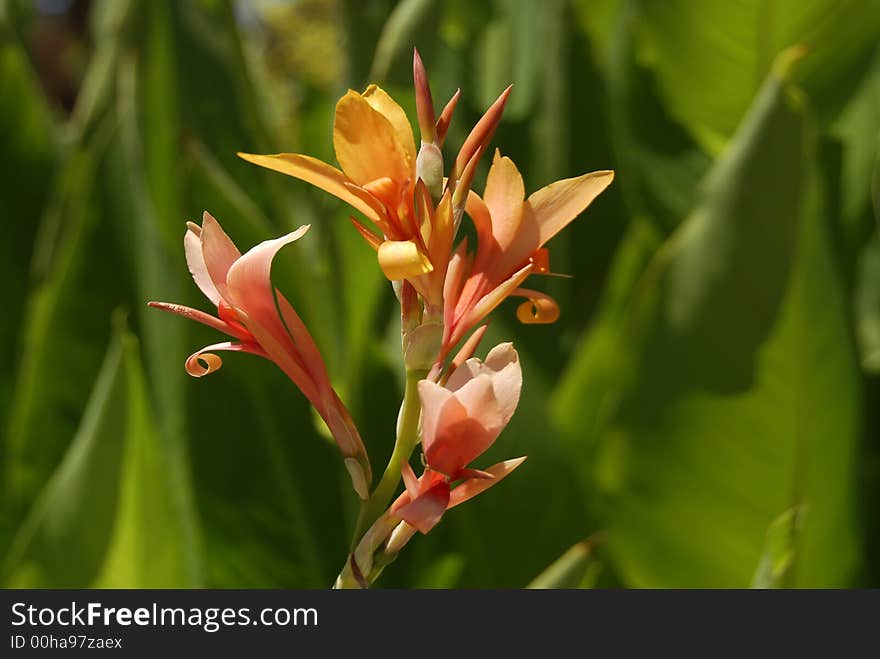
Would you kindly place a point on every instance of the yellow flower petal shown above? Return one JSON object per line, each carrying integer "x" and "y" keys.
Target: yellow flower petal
{"x": 380, "y": 101}
{"x": 368, "y": 146}
{"x": 401, "y": 259}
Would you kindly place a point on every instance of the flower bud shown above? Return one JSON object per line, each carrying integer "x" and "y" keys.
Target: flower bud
{"x": 429, "y": 168}
{"x": 421, "y": 345}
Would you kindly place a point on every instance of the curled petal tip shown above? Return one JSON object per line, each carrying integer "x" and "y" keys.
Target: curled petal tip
{"x": 203, "y": 363}
{"x": 538, "y": 309}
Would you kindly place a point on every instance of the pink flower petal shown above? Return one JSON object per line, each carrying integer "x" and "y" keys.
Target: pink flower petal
{"x": 218, "y": 251}
{"x": 503, "y": 368}
{"x": 305, "y": 344}
{"x": 427, "y": 509}
{"x": 434, "y": 397}
{"x": 250, "y": 292}
{"x": 466, "y": 425}
{"x": 468, "y": 349}
{"x": 195, "y": 261}
{"x": 199, "y": 317}
{"x": 410, "y": 482}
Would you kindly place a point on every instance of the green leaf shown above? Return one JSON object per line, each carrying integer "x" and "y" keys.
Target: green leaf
{"x": 397, "y": 35}
{"x": 570, "y": 570}
{"x": 60, "y": 326}
{"x": 55, "y": 547}
{"x": 744, "y": 400}
{"x": 30, "y": 140}
{"x": 710, "y": 57}
{"x": 659, "y": 164}
{"x": 599, "y": 366}
{"x": 858, "y": 130}
{"x": 510, "y": 51}
{"x": 443, "y": 573}
{"x": 153, "y": 543}
{"x": 868, "y": 306}
{"x": 779, "y": 550}
{"x": 109, "y": 515}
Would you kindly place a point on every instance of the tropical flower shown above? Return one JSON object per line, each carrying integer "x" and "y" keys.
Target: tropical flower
{"x": 511, "y": 234}
{"x": 460, "y": 421}
{"x": 262, "y": 322}
{"x": 401, "y": 191}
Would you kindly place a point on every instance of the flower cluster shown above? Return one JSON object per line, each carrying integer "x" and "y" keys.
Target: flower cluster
{"x": 454, "y": 405}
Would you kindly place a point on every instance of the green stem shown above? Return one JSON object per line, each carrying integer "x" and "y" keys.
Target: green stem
{"x": 407, "y": 438}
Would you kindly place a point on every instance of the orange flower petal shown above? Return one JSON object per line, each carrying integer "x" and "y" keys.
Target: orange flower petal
{"x": 481, "y": 134}
{"x": 557, "y": 204}
{"x": 504, "y": 196}
{"x": 540, "y": 309}
{"x": 372, "y": 239}
{"x": 471, "y": 488}
{"x": 204, "y": 362}
{"x": 486, "y": 304}
{"x": 321, "y": 175}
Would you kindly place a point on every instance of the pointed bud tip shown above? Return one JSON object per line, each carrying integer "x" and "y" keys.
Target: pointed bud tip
{"x": 424, "y": 100}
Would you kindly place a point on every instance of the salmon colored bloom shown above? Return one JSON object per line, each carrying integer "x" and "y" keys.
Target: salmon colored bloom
{"x": 262, "y": 322}
{"x": 511, "y": 234}
{"x": 401, "y": 191}
{"x": 460, "y": 421}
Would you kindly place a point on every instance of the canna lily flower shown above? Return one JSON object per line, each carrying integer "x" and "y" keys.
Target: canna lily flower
{"x": 401, "y": 191}
{"x": 262, "y": 322}
{"x": 460, "y": 421}
{"x": 511, "y": 234}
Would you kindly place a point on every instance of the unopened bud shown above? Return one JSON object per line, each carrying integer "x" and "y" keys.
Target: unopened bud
{"x": 401, "y": 534}
{"x": 422, "y": 345}
{"x": 429, "y": 168}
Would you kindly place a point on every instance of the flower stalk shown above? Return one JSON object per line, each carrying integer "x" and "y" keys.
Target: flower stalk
{"x": 410, "y": 214}
{"x": 404, "y": 445}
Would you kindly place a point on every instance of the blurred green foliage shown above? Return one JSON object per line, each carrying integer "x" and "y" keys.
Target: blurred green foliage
{"x": 705, "y": 411}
